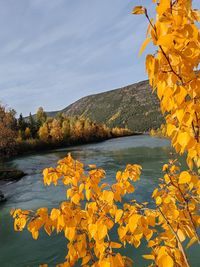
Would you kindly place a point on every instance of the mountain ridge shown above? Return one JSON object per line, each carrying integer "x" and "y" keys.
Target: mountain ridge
{"x": 133, "y": 106}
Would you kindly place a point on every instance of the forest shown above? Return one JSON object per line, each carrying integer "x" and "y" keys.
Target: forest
{"x": 19, "y": 135}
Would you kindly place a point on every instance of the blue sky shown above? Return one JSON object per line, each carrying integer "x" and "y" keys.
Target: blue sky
{"x": 53, "y": 52}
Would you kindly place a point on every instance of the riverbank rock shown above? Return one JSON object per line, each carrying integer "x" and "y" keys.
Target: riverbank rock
{"x": 11, "y": 175}
{"x": 2, "y": 197}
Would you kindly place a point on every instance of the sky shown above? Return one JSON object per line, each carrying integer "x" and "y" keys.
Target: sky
{"x": 53, "y": 52}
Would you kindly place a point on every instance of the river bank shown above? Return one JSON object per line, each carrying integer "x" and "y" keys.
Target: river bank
{"x": 33, "y": 146}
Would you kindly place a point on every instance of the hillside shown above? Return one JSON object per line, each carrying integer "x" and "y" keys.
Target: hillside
{"x": 133, "y": 106}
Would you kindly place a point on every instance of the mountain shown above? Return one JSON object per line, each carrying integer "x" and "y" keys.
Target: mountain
{"x": 133, "y": 106}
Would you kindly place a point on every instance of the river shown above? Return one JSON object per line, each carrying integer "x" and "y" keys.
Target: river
{"x": 20, "y": 250}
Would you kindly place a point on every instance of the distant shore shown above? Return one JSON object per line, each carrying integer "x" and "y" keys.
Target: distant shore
{"x": 26, "y": 148}
{"x": 39, "y": 146}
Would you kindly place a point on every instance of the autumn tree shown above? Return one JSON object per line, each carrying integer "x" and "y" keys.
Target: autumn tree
{"x": 43, "y": 132}
{"x": 56, "y": 130}
{"x": 95, "y": 209}
{"x": 8, "y": 131}
{"x": 27, "y": 133}
{"x": 66, "y": 129}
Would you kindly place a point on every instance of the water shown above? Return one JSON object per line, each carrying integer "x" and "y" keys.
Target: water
{"x": 19, "y": 249}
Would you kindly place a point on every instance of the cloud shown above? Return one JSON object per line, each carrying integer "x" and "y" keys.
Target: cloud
{"x": 54, "y": 52}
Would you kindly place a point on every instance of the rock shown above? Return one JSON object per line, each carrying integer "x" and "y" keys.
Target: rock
{"x": 11, "y": 175}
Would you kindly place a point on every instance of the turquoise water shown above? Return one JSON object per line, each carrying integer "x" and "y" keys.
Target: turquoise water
{"x": 20, "y": 250}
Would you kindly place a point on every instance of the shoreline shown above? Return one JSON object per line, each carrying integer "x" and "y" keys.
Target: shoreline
{"x": 28, "y": 149}
{"x": 13, "y": 175}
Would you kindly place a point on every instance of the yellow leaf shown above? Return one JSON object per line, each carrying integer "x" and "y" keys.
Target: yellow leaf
{"x": 102, "y": 231}
{"x": 118, "y": 175}
{"x": 192, "y": 241}
{"x": 118, "y": 261}
{"x": 88, "y": 194}
{"x": 54, "y": 214}
{"x": 104, "y": 263}
{"x": 183, "y": 139}
{"x": 133, "y": 222}
{"x": 108, "y": 196}
{"x": 181, "y": 235}
{"x": 92, "y": 229}
{"x": 118, "y": 215}
{"x": 86, "y": 259}
{"x": 158, "y": 200}
{"x": 92, "y": 166}
{"x": 81, "y": 187}
{"x": 76, "y": 199}
{"x": 165, "y": 167}
{"x": 180, "y": 114}
{"x": 184, "y": 177}
{"x": 35, "y": 234}
{"x": 170, "y": 129}
{"x": 144, "y": 45}
{"x": 148, "y": 257}
{"x": 70, "y": 233}
{"x": 122, "y": 232}
{"x": 138, "y": 10}
{"x": 115, "y": 245}
{"x": 166, "y": 261}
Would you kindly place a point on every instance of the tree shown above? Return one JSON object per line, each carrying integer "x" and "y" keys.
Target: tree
{"x": 56, "y": 130}
{"x": 21, "y": 123}
{"x": 8, "y": 131}
{"x": 77, "y": 133}
{"x": 44, "y": 132}
{"x": 66, "y": 129}
{"x": 94, "y": 209}
{"x": 33, "y": 126}
{"x": 27, "y": 133}
{"x": 41, "y": 116}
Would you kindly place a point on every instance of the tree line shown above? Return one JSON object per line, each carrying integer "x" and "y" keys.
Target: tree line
{"x": 40, "y": 131}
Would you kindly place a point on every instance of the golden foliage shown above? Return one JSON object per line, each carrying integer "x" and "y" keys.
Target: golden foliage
{"x": 173, "y": 73}
{"x": 89, "y": 215}
{"x": 7, "y": 131}
{"x": 92, "y": 213}
{"x": 95, "y": 209}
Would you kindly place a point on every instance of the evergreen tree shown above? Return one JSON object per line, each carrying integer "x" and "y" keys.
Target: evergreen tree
{"x": 33, "y": 126}
{"x": 21, "y": 123}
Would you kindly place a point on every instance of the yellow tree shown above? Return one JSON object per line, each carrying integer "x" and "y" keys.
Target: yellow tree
{"x": 27, "y": 133}
{"x": 8, "y": 131}
{"x": 56, "y": 130}
{"x": 43, "y": 132}
{"x": 173, "y": 72}
{"x": 92, "y": 211}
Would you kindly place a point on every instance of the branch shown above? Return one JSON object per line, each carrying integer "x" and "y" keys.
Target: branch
{"x": 177, "y": 238}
